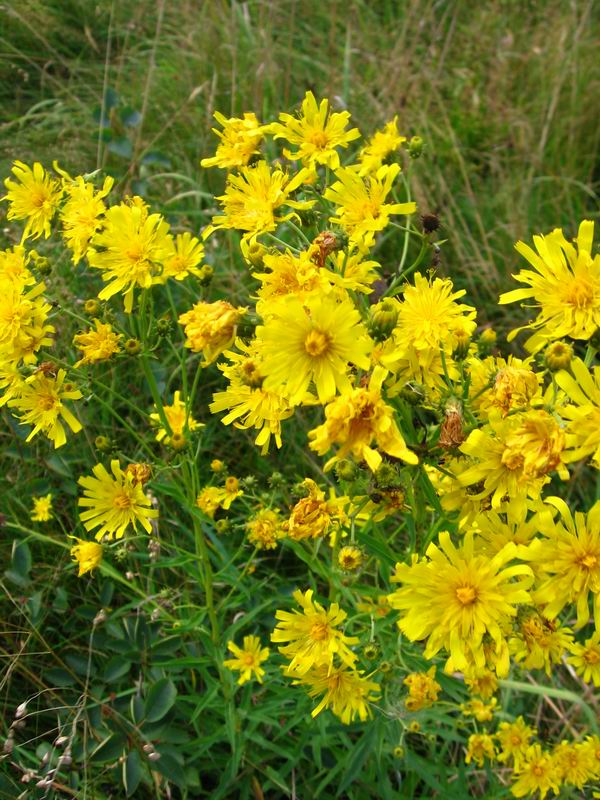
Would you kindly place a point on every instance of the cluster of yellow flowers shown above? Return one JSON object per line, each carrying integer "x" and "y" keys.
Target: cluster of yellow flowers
{"x": 411, "y": 394}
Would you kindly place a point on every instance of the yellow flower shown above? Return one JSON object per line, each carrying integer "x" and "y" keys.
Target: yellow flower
{"x": 512, "y": 457}
{"x": 564, "y": 285}
{"x": 179, "y": 419}
{"x": 40, "y": 401}
{"x": 182, "y": 256}
{"x": 312, "y": 341}
{"x": 265, "y": 529}
{"x": 34, "y": 196}
{"x": 540, "y": 643}
{"x": 114, "y": 502}
{"x": 379, "y": 147}
{"x": 513, "y": 740}
{"x": 536, "y": 772}
{"x": 210, "y": 328}
{"x": 356, "y": 418}
{"x": 456, "y": 596}
{"x": 423, "y": 690}
{"x": 42, "y": 509}
{"x": 583, "y": 413}
{"x": 313, "y": 516}
{"x": 430, "y": 316}
{"x": 209, "y": 500}
{"x": 249, "y": 404}
{"x": 129, "y": 250}
{"x": 240, "y": 139}
{"x": 574, "y": 762}
{"x": 585, "y": 658}
{"x": 479, "y": 747}
{"x": 248, "y": 659}
{"x": 87, "y": 554}
{"x": 566, "y": 559}
{"x": 14, "y": 267}
{"x": 482, "y": 682}
{"x": 82, "y": 214}
{"x": 362, "y": 208}
{"x": 352, "y": 272}
{"x": 297, "y": 275}
{"x": 511, "y": 384}
{"x": 97, "y": 345}
{"x": 314, "y": 635}
{"x": 317, "y": 133}
{"x": 508, "y": 524}
{"x": 350, "y": 558}
{"x": 344, "y": 691}
{"x": 481, "y": 711}
{"x": 23, "y": 321}
{"x": 254, "y": 196}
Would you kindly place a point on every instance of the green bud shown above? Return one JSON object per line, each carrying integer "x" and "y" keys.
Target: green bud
{"x": 415, "y": 147}
{"x": 384, "y": 317}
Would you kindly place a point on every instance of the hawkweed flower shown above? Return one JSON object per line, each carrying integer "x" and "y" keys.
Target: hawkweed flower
{"x": 88, "y": 555}
{"x": 182, "y": 257}
{"x": 210, "y": 328}
{"x": 345, "y": 691}
{"x": 264, "y": 529}
{"x": 381, "y": 145}
{"x": 40, "y": 401}
{"x": 82, "y": 213}
{"x": 314, "y": 516}
{"x": 248, "y": 659}
{"x": 42, "y": 509}
{"x": 114, "y": 502}
{"x": 97, "y": 344}
{"x": 585, "y": 659}
{"x": 24, "y": 328}
{"x": 479, "y": 747}
{"x": 313, "y": 634}
{"x": 537, "y": 772}
{"x": 513, "y": 741}
{"x": 350, "y": 558}
{"x": 179, "y": 419}
{"x": 423, "y": 690}
{"x": 34, "y": 197}
{"x": 240, "y": 140}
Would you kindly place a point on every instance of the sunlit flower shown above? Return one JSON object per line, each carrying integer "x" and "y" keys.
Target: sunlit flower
{"x": 582, "y": 388}
{"x": 423, "y": 690}
{"x": 382, "y": 144}
{"x": 537, "y": 771}
{"x": 97, "y": 344}
{"x": 345, "y": 691}
{"x": 513, "y": 740}
{"x": 87, "y": 555}
{"x": 317, "y": 133}
{"x": 210, "y": 328}
{"x": 42, "y": 509}
{"x": 114, "y": 502}
{"x": 499, "y": 386}
{"x": 34, "y": 196}
{"x": 248, "y": 659}
{"x": 564, "y": 286}
{"x": 574, "y": 763}
{"x": 476, "y": 708}
{"x": 265, "y": 529}
{"x": 82, "y": 213}
{"x": 585, "y": 658}
{"x": 479, "y": 747}
{"x": 313, "y": 516}
{"x": 179, "y": 418}
{"x": 240, "y": 139}
{"x": 14, "y": 266}
{"x": 182, "y": 256}
{"x": 540, "y": 643}
{"x": 24, "y": 328}
{"x": 350, "y": 558}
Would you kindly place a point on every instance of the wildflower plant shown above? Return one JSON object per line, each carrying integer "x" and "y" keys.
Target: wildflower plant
{"x": 318, "y": 446}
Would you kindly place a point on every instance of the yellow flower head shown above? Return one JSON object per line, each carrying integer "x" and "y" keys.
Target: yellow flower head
{"x": 289, "y": 274}
{"x": 97, "y": 344}
{"x": 209, "y": 500}
{"x": 540, "y": 643}
{"x": 423, "y": 690}
{"x": 178, "y": 418}
{"x": 345, "y": 691}
{"x": 254, "y": 197}
{"x": 42, "y": 509}
{"x": 482, "y": 682}
{"x": 357, "y": 418}
{"x": 249, "y": 404}
{"x": 248, "y": 659}
{"x": 582, "y": 388}
{"x": 210, "y": 328}
{"x": 313, "y": 516}
{"x": 114, "y": 502}
{"x": 350, "y": 558}
{"x": 87, "y": 554}
{"x": 14, "y": 266}
{"x": 511, "y": 384}
{"x": 513, "y": 740}
{"x": 265, "y": 529}
{"x": 429, "y": 315}
{"x": 34, "y": 196}
{"x": 317, "y": 133}
{"x": 313, "y": 635}
{"x": 476, "y": 708}
{"x": 508, "y": 524}
{"x": 40, "y": 401}
{"x": 564, "y": 286}
{"x": 585, "y": 658}
{"x": 456, "y": 595}
{"x": 379, "y": 147}
{"x": 574, "y": 762}
{"x": 362, "y": 210}
{"x": 479, "y": 747}
{"x": 182, "y": 256}
{"x": 23, "y": 321}
{"x": 129, "y": 250}
{"x": 312, "y": 341}
{"x": 537, "y": 772}
{"x": 82, "y": 214}
{"x": 240, "y": 140}
{"x": 566, "y": 559}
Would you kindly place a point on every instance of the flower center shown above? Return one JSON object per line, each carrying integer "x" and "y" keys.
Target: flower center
{"x": 122, "y": 501}
{"x": 466, "y": 595}
{"x": 592, "y": 657}
{"x": 319, "y": 631}
{"x": 537, "y": 770}
{"x": 588, "y": 560}
{"x": 512, "y": 460}
{"x": 579, "y": 294}
{"x": 248, "y": 659}
{"x": 46, "y": 402}
{"x": 317, "y": 343}
{"x": 319, "y": 139}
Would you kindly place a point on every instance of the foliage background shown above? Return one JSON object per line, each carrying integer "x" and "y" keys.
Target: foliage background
{"x": 503, "y": 92}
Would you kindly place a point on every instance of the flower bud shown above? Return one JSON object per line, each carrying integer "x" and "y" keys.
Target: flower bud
{"x": 558, "y": 356}
{"x": 132, "y": 347}
{"x": 92, "y": 307}
{"x": 416, "y": 146}
{"x": 102, "y": 443}
{"x": 206, "y": 275}
{"x": 384, "y": 317}
{"x": 346, "y": 470}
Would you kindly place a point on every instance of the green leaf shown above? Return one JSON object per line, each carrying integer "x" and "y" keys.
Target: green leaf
{"x": 160, "y": 700}
{"x": 21, "y": 558}
{"x": 116, "y": 668}
{"x": 60, "y": 466}
{"x": 132, "y": 772}
{"x": 109, "y": 749}
{"x": 121, "y": 147}
{"x": 168, "y": 767}
{"x": 136, "y": 709}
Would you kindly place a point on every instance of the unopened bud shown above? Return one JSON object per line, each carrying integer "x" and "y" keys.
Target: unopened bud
{"x": 416, "y": 146}
{"x": 558, "y": 356}
{"x": 132, "y": 347}
{"x": 346, "y": 470}
{"x": 384, "y": 317}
